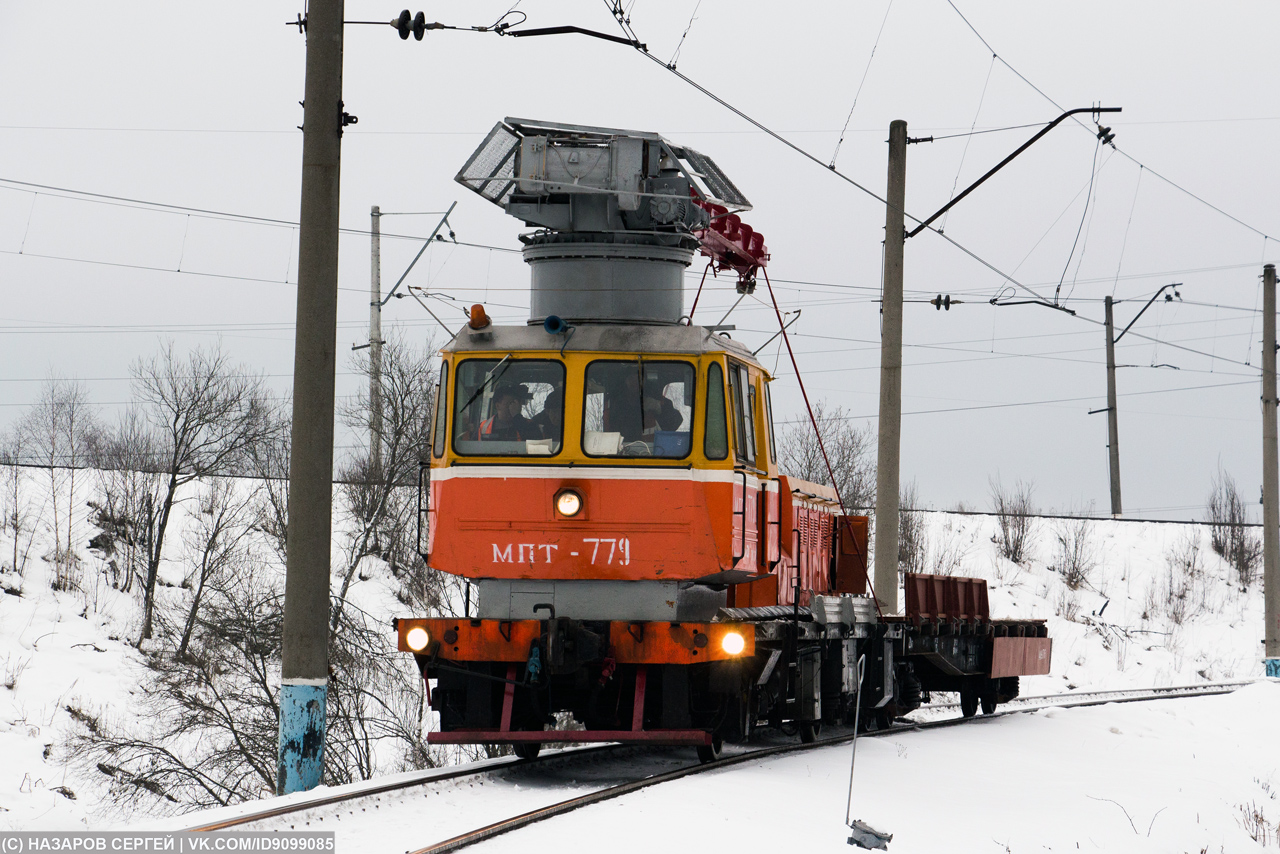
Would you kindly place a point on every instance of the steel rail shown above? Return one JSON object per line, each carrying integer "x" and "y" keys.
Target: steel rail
{"x": 542, "y": 813}
{"x": 434, "y": 775}
{"x": 514, "y": 823}
{"x": 1198, "y": 689}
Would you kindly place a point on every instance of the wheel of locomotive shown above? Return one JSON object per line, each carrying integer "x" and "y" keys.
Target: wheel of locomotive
{"x": 989, "y": 702}
{"x": 884, "y": 717}
{"x": 710, "y": 752}
{"x": 810, "y": 730}
{"x": 968, "y": 699}
{"x": 528, "y": 749}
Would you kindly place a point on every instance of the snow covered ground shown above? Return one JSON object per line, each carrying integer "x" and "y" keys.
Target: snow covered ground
{"x": 1171, "y": 776}
{"x": 1157, "y": 607}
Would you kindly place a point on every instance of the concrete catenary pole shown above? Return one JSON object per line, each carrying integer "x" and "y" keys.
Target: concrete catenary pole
{"x": 305, "y": 653}
{"x": 890, "y": 426}
{"x": 1113, "y": 415}
{"x": 375, "y": 343}
{"x": 1270, "y": 476}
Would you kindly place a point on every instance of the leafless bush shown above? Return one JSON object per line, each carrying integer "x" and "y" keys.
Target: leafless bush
{"x": 207, "y": 728}
{"x": 1067, "y": 604}
{"x": 1183, "y": 557}
{"x": 1077, "y": 555}
{"x": 911, "y": 539}
{"x": 1254, "y": 821}
{"x": 946, "y": 553}
{"x": 1013, "y": 508}
{"x": 850, "y": 449}
{"x": 13, "y": 671}
{"x": 1177, "y": 597}
{"x": 1228, "y": 533}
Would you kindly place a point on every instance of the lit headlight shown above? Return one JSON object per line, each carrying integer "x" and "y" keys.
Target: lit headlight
{"x": 418, "y": 638}
{"x": 568, "y": 503}
{"x": 732, "y": 643}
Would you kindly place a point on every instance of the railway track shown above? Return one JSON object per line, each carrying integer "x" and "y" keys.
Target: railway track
{"x": 843, "y": 736}
{"x": 483, "y": 834}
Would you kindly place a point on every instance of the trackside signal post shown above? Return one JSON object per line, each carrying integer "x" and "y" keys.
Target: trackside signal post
{"x": 1270, "y": 477}
{"x": 305, "y": 644}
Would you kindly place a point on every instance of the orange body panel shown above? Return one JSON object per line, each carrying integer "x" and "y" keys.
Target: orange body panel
{"x": 631, "y": 528}
{"x": 478, "y": 640}
{"x": 851, "y": 557}
{"x": 754, "y": 594}
{"x": 630, "y": 643}
{"x": 675, "y": 643}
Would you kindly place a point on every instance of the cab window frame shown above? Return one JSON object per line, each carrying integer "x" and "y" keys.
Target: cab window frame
{"x": 641, "y": 363}
{"x": 440, "y": 429}
{"x": 512, "y": 360}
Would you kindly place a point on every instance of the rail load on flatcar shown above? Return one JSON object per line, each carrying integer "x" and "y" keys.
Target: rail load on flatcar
{"x": 605, "y": 478}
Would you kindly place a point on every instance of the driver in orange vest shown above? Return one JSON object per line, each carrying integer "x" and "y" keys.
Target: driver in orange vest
{"x": 507, "y": 423}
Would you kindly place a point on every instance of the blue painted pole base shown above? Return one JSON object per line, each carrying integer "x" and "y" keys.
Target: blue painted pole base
{"x": 1273, "y": 667}
{"x": 301, "y": 756}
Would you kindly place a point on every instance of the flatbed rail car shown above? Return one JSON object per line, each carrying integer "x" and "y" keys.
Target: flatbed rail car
{"x": 605, "y": 478}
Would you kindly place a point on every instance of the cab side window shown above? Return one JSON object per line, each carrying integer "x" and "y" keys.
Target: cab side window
{"x": 442, "y": 411}
{"x": 716, "y": 443}
{"x": 743, "y": 398}
{"x": 768, "y": 420}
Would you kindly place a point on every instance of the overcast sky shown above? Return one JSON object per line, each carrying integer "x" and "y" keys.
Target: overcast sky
{"x": 197, "y": 106}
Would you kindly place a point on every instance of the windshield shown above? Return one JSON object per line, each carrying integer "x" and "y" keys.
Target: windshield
{"x": 638, "y": 409}
{"x": 508, "y": 407}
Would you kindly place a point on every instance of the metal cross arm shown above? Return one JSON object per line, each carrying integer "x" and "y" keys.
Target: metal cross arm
{"x": 1148, "y": 305}
{"x": 1044, "y": 130}
{"x": 559, "y": 31}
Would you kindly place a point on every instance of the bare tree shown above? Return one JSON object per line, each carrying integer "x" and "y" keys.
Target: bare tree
{"x": 17, "y": 513}
{"x": 850, "y": 449}
{"x": 269, "y": 463}
{"x": 206, "y": 730}
{"x": 59, "y": 430}
{"x": 206, "y": 414}
{"x": 382, "y": 504}
{"x": 1014, "y": 515}
{"x": 126, "y": 458}
{"x": 216, "y": 541}
{"x": 911, "y": 542}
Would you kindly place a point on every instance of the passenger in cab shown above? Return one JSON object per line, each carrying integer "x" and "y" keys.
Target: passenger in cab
{"x": 550, "y": 421}
{"x": 624, "y": 406}
{"x": 508, "y": 424}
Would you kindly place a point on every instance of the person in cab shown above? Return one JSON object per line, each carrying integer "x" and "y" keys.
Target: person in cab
{"x": 507, "y": 423}
{"x": 550, "y": 421}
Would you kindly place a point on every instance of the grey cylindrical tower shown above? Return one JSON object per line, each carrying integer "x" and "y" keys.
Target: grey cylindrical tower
{"x": 607, "y": 281}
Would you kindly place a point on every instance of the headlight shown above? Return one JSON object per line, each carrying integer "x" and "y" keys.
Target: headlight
{"x": 418, "y": 638}
{"x": 732, "y": 643}
{"x": 568, "y": 503}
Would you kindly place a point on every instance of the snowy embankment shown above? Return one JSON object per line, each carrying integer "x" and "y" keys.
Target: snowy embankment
{"x": 1156, "y": 607}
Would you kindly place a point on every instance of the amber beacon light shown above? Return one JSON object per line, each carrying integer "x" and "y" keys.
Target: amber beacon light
{"x": 568, "y": 503}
